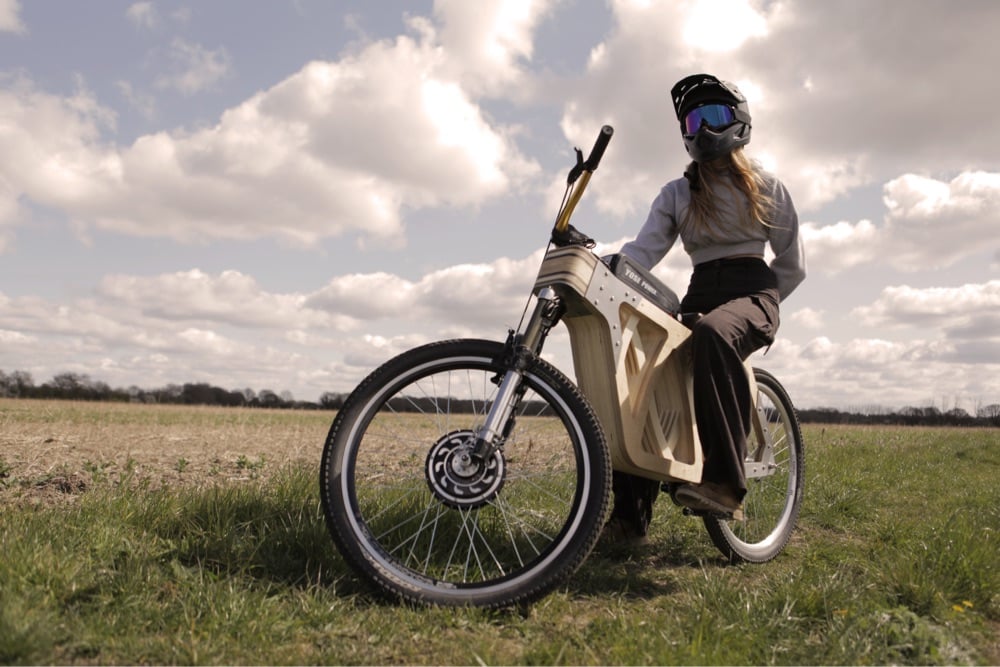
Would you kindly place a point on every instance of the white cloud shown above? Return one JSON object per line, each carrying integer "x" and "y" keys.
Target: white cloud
{"x": 955, "y": 351}
{"x": 195, "y": 68}
{"x": 225, "y": 325}
{"x": 934, "y": 223}
{"x": 844, "y": 118}
{"x": 824, "y": 117}
{"x": 431, "y": 119}
{"x": 815, "y": 183}
{"x": 142, "y": 14}
{"x": 337, "y": 147}
{"x": 627, "y": 85}
{"x": 79, "y": 326}
{"x": 129, "y": 347}
{"x": 50, "y": 149}
{"x": 10, "y": 212}
{"x": 722, "y": 25}
{"x": 15, "y": 338}
{"x": 208, "y": 341}
{"x": 230, "y": 298}
{"x": 810, "y": 318}
{"x": 207, "y": 327}
{"x": 928, "y": 224}
{"x": 938, "y": 307}
{"x": 860, "y": 373}
{"x": 488, "y": 42}
{"x": 363, "y": 354}
{"x": 10, "y": 16}
{"x": 142, "y": 102}
{"x": 479, "y": 298}
{"x": 833, "y": 248}
{"x": 181, "y": 15}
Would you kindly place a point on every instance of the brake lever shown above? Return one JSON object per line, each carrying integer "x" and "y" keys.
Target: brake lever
{"x": 577, "y": 169}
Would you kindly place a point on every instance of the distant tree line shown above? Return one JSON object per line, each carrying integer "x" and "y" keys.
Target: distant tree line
{"x": 988, "y": 415}
{"x": 80, "y": 387}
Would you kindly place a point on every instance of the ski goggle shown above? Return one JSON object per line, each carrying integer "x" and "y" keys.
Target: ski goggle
{"x": 713, "y": 115}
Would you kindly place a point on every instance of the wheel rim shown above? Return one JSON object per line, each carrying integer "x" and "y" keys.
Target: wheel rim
{"x": 769, "y": 506}
{"x": 430, "y": 517}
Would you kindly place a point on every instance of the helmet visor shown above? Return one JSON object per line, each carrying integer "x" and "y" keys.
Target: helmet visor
{"x": 715, "y": 116}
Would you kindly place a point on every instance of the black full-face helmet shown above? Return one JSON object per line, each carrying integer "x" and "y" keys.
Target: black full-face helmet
{"x": 714, "y": 116}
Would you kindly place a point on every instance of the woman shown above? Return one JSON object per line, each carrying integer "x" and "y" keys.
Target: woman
{"x": 725, "y": 209}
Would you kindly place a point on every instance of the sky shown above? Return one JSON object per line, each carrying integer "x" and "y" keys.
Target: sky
{"x": 283, "y": 195}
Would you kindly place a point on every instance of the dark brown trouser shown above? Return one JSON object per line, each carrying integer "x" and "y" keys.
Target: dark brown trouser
{"x": 739, "y": 299}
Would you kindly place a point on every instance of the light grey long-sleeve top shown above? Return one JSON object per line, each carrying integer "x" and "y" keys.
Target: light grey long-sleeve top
{"x": 727, "y": 237}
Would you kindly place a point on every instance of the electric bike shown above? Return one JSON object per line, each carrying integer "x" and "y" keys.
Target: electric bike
{"x": 475, "y": 473}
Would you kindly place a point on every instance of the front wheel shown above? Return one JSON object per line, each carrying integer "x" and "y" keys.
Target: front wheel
{"x": 775, "y": 475}
{"x": 415, "y": 514}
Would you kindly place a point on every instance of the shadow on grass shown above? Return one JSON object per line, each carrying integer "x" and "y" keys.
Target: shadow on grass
{"x": 275, "y": 534}
{"x": 645, "y": 572}
{"x": 269, "y": 534}
{"x": 630, "y": 578}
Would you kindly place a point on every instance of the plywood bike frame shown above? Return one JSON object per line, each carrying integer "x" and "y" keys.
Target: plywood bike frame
{"x": 633, "y": 363}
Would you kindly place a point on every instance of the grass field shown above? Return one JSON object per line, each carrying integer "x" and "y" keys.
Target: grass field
{"x": 163, "y": 534}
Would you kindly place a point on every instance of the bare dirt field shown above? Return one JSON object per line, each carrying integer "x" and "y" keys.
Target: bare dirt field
{"x": 53, "y": 450}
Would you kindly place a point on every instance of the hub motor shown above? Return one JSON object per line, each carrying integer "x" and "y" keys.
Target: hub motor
{"x": 456, "y": 478}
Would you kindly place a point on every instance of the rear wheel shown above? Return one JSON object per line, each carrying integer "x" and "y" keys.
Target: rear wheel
{"x": 775, "y": 475}
{"x": 413, "y": 512}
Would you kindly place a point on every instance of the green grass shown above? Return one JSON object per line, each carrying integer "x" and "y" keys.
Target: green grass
{"x": 895, "y": 561}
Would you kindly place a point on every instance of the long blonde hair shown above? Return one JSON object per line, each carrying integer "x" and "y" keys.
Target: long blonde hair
{"x": 734, "y": 171}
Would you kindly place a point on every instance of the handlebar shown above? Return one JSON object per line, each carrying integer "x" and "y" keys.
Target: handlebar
{"x": 582, "y": 168}
{"x": 597, "y": 152}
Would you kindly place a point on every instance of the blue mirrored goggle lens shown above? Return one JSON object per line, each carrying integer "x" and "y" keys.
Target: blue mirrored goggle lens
{"x": 713, "y": 115}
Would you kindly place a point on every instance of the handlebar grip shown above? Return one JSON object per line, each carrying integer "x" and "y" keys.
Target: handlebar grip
{"x": 597, "y": 152}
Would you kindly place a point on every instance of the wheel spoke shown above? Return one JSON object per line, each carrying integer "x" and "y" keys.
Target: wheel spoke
{"x": 771, "y": 504}
{"x": 501, "y": 508}
{"x": 428, "y": 520}
{"x": 528, "y": 530}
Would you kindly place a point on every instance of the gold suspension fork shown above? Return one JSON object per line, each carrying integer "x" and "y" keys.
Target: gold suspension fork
{"x": 562, "y": 222}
